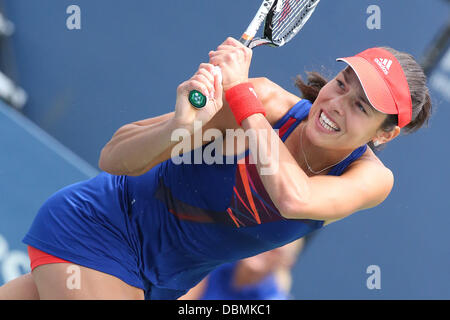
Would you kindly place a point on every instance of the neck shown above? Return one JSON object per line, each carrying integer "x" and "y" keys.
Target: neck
{"x": 317, "y": 157}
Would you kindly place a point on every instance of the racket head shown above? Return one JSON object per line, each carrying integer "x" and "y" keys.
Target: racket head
{"x": 283, "y": 21}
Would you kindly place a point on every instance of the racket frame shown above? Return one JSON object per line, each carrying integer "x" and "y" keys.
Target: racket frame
{"x": 255, "y": 24}
{"x": 248, "y": 37}
{"x": 267, "y": 7}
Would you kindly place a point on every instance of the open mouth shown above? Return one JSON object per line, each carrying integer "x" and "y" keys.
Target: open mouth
{"x": 327, "y": 124}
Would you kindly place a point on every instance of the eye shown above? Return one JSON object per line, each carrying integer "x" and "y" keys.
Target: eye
{"x": 340, "y": 84}
{"x": 359, "y": 105}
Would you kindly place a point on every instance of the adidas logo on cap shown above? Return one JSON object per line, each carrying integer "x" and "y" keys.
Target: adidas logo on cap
{"x": 384, "y": 64}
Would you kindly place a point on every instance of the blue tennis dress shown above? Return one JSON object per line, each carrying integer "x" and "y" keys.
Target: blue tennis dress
{"x": 165, "y": 230}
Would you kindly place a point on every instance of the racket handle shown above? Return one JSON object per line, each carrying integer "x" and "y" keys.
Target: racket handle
{"x": 244, "y": 41}
{"x": 198, "y": 99}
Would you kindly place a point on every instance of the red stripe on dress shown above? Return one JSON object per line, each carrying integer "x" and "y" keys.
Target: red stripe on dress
{"x": 286, "y": 126}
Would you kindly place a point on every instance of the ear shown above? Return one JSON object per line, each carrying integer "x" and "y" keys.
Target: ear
{"x": 384, "y": 137}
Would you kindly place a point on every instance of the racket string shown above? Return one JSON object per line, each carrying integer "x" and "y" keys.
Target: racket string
{"x": 290, "y": 18}
{"x": 285, "y": 12}
{"x": 298, "y": 13}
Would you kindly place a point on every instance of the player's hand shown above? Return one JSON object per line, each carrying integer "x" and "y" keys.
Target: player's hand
{"x": 234, "y": 59}
{"x": 206, "y": 81}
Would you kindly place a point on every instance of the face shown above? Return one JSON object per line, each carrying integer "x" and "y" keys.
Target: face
{"x": 354, "y": 122}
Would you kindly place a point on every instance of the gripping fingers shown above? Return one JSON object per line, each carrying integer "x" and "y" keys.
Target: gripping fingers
{"x": 206, "y": 82}
{"x": 207, "y": 78}
{"x": 217, "y": 72}
{"x": 194, "y": 84}
{"x": 206, "y": 74}
{"x": 207, "y": 67}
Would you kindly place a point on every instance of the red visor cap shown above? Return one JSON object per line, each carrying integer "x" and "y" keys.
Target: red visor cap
{"x": 384, "y": 82}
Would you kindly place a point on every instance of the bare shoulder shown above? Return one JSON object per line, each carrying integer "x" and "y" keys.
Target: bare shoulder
{"x": 371, "y": 175}
{"x": 369, "y": 166}
{"x": 370, "y": 171}
{"x": 369, "y": 157}
{"x": 276, "y": 100}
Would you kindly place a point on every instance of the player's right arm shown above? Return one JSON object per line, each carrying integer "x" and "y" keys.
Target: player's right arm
{"x": 139, "y": 146}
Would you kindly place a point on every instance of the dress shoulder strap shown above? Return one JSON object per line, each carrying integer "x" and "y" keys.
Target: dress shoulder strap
{"x": 338, "y": 169}
{"x": 292, "y": 118}
{"x": 298, "y": 111}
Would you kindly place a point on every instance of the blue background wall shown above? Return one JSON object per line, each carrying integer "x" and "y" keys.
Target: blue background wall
{"x": 33, "y": 166}
{"x": 127, "y": 60}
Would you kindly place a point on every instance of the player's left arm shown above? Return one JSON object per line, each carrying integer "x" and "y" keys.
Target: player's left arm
{"x": 365, "y": 184}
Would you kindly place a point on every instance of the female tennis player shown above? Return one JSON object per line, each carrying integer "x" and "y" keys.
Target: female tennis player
{"x": 147, "y": 227}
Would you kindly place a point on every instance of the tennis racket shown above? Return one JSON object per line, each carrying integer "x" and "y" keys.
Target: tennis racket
{"x": 283, "y": 19}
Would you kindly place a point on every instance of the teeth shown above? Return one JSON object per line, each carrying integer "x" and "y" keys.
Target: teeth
{"x": 326, "y": 126}
{"x": 327, "y": 123}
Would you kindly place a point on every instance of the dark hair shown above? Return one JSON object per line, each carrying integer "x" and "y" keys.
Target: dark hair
{"x": 420, "y": 96}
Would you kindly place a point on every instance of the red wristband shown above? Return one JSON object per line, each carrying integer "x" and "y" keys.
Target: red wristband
{"x": 243, "y": 101}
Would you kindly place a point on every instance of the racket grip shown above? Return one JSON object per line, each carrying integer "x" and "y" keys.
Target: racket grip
{"x": 198, "y": 99}
{"x": 245, "y": 42}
